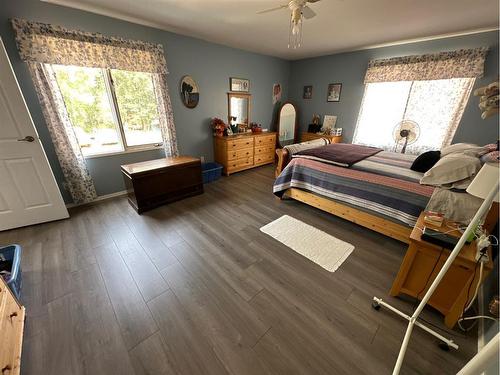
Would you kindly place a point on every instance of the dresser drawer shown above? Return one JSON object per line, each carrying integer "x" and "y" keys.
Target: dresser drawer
{"x": 238, "y": 144}
{"x": 264, "y": 150}
{"x": 265, "y": 140}
{"x": 240, "y": 154}
{"x": 264, "y": 158}
{"x": 239, "y": 163}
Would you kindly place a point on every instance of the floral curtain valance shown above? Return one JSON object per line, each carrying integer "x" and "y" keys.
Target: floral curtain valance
{"x": 464, "y": 63}
{"x": 44, "y": 43}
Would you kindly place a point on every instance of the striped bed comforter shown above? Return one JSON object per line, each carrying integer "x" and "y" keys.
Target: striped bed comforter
{"x": 382, "y": 184}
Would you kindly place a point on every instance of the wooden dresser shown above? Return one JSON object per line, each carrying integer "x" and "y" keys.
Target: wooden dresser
{"x": 156, "y": 182}
{"x": 304, "y": 137}
{"x": 239, "y": 152}
{"x": 11, "y": 331}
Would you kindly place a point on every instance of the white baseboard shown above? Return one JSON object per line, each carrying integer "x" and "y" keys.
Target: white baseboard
{"x": 99, "y": 198}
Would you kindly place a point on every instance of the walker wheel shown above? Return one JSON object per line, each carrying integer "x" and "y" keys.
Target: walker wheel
{"x": 376, "y": 305}
{"x": 443, "y": 346}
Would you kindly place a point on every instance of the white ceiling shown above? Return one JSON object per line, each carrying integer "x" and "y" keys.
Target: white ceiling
{"x": 340, "y": 25}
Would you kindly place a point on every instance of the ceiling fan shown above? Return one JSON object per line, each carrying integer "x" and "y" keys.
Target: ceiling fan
{"x": 299, "y": 11}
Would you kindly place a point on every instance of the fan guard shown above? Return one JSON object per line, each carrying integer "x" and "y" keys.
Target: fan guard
{"x": 406, "y": 131}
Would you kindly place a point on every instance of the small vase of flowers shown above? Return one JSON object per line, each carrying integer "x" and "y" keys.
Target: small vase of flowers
{"x": 256, "y": 128}
{"x": 218, "y": 126}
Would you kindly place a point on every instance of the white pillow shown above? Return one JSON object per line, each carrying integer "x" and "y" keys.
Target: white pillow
{"x": 464, "y": 148}
{"x": 450, "y": 169}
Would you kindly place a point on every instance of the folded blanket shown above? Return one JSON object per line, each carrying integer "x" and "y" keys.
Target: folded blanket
{"x": 341, "y": 154}
{"x": 297, "y": 147}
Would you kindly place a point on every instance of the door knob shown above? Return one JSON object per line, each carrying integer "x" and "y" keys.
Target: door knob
{"x": 28, "y": 138}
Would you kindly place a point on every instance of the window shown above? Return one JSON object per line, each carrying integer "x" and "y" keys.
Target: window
{"x": 111, "y": 110}
{"x": 436, "y": 106}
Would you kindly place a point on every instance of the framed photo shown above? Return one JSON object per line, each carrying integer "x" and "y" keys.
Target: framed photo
{"x": 239, "y": 84}
{"x": 329, "y": 121}
{"x": 276, "y": 93}
{"x": 334, "y": 90}
{"x": 308, "y": 92}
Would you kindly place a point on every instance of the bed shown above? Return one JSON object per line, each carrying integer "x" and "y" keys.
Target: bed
{"x": 380, "y": 192}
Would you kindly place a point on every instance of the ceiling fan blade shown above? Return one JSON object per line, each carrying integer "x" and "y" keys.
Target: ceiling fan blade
{"x": 273, "y": 9}
{"x": 308, "y": 12}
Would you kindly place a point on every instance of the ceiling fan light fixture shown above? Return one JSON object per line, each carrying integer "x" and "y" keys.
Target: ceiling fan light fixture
{"x": 295, "y": 32}
{"x": 300, "y": 11}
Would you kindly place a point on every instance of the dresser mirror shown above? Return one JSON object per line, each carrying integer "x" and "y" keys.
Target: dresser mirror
{"x": 238, "y": 109}
{"x": 287, "y": 125}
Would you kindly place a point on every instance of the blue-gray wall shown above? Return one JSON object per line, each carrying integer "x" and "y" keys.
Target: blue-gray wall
{"x": 210, "y": 64}
{"x": 349, "y": 69}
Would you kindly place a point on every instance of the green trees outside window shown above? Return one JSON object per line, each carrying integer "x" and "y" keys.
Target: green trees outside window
{"x": 110, "y": 110}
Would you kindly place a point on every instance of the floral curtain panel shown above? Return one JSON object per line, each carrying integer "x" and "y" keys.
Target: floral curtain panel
{"x": 166, "y": 115}
{"x": 52, "y": 44}
{"x": 465, "y": 63}
{"x": 40, "y": 44}
{"x": 78, "y": 181}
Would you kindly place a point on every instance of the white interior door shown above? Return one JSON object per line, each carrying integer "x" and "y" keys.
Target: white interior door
{"x": 28, "y": 190}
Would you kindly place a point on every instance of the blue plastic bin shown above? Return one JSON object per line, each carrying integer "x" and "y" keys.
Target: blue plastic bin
{"x": 10, "y": 261}
{"x": 211, "y": 172}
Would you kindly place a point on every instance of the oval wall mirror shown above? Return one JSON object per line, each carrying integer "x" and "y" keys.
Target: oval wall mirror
{"x": 287, "y": 126}
{"x": 190, "y": 95}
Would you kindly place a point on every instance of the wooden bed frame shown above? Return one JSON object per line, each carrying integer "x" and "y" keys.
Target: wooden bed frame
{"x": 400, "y": 232}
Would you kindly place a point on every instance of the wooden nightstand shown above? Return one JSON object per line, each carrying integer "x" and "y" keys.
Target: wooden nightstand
{"x": 451, "y": 294}
{"x": 304, "y": 137}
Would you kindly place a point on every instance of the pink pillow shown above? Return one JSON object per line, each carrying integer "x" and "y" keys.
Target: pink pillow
{"x": 491, "y": 157}
{"x": 491, "y": 147}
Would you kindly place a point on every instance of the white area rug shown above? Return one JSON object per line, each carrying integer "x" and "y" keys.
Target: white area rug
{"x": 320, "y": 247}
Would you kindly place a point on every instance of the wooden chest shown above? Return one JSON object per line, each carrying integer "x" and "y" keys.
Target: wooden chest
{"x": 239, "y": 152}
{"x": 11, "y": 331}
{"x": 156, "y": 182}
{"x": 304, "y": 137}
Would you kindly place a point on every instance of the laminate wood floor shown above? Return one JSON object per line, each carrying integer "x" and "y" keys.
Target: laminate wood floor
{"x": 195, "y": 288}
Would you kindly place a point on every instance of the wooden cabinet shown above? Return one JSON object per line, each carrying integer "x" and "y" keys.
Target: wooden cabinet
{"x": 304, "y": 137}
{"x": 239, "y": 152}
{"x": 417, "y": 273}
{"x": 156, "y": 182}
{"x": 11, "y": 331}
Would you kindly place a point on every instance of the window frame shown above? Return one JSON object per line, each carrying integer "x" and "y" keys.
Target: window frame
{"x": 115, "y": 112}
{"x": 454, "y": 121}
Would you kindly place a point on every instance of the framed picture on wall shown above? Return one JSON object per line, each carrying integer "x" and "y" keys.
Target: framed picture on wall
{"x": 308, "y": 92}
{"x": 239, "y": 84}
{"x": 333, "y": 94}
{"x": 276, "y": 93}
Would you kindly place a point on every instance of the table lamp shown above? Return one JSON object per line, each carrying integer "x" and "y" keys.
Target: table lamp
{"x": 484, "y": 180}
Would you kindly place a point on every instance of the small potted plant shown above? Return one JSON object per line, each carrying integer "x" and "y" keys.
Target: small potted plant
{"x": 256, "y": 128}
{"x": 218, "y": 126}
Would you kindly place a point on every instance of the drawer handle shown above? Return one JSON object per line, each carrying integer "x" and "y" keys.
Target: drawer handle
{"x": 6, "y": 369}
{"x": 14, "y": 314}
